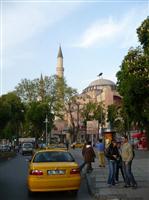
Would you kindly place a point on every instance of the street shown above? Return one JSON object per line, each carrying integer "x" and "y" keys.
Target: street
{"x": 13, "y": 176}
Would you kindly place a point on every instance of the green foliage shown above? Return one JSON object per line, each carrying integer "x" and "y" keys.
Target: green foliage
{"x": 36, "y": 114}
{"x": 11, "y": 115}
{"x": 112, "y": 115}
{"x": 143, "y": 35}
{"x": 133, "y": 81}
{"x": 44, "y": 96}
{"x": 93, "y": 111}
{"x": 133, "y": 84}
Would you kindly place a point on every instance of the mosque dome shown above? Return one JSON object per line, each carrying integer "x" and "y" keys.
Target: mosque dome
{"x": 99, "y": 84}
{"x": 102, "y": 82}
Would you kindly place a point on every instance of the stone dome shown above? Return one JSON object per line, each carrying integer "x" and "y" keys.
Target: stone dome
{"x": 102, "y": 82}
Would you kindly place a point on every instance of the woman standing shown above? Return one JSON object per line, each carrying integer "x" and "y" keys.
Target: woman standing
{"x": 112, "y": 155}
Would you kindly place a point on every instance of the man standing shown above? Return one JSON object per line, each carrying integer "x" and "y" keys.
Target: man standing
{"x": 127, "y": 157}
{"x": 100, "y": 148}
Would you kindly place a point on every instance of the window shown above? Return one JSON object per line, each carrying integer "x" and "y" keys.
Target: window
{"x": 53, "y": 156}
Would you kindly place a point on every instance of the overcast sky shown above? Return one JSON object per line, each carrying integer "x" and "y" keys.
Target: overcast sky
{"x": 94, "y": 36}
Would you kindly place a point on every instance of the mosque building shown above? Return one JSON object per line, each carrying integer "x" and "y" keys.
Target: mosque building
{"x": 100, "y": 90}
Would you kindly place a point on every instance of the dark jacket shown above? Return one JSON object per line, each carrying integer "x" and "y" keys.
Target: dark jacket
{"x": 89, "y": 154}
{"x": 112, "y": 150}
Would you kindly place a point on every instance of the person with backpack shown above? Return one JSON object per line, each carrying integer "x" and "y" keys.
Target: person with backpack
{"x": 127, "y": 158}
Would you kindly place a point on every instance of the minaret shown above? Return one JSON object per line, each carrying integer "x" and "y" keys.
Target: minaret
{"x": 41, "y": 87}
{"x": 59, "y": 68}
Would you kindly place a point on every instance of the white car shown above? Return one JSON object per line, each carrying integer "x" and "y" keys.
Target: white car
{"x": 27, "y": 148}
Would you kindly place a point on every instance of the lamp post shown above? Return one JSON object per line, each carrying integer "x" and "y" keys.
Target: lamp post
{"x": 46, "y": 122}
{"x": 101, "y": 117}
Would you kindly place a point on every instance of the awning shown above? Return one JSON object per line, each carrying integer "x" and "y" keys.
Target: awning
{"x": 138, "y": 135}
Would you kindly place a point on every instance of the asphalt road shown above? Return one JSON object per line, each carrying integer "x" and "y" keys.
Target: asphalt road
{"x": 13, "y": 175}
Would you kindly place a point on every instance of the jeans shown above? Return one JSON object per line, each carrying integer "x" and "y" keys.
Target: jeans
{"x": 112, "y": 171}
{"x": 129, "y": 178}
{"x": 119, "y": 166}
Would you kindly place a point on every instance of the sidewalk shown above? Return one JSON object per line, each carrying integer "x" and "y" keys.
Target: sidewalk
{"x": 97, "y": 181}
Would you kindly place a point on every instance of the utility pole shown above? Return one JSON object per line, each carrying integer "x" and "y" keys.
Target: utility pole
{"x": 46, "y": 122}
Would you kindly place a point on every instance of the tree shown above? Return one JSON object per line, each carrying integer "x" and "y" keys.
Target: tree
{"x": 35, "y": 117}
{"x": 112, "y": 115}
{"x": 48, "y": 89}
{"x": 118, "y": 119}
{"x": 93, "y": 111}
{"x": 133, "y": 81}
{"x": 11, "y": 115}
{"x": 5, "y": 114}
{"x": 27, "y": 90}
{"x": 69, "y": 101}
{"x": 143, "y": 35}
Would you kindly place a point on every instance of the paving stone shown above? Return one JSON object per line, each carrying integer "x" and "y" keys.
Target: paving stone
{"x": 100, "y": 190}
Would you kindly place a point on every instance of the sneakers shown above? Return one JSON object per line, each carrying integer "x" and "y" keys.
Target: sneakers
{"x": 111, "y": 185}
{"x": 133, "y": 186}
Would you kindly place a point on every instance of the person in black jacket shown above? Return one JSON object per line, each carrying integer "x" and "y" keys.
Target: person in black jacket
{"x": 112, "y": 155}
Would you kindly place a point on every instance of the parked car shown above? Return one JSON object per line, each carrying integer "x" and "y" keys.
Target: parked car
{"x": 5, "y": 148}
{"x": 27, "y": 148}
{"x": 53, "y": 170}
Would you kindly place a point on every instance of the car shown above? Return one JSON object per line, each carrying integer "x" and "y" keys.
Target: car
{"x": 27, "y": 148}
{"x": 5, "y": 148}
{"x": 53, "y": 170}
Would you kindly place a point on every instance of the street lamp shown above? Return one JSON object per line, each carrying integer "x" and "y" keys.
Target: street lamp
{"x": 46, "y": 122}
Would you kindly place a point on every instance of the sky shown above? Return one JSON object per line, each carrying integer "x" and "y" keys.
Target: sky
{"x": 94, "y": 37}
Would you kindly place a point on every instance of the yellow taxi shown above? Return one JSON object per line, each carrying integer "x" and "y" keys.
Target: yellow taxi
{"x": 77, "y": 145}
{"x": 53, "y": 170}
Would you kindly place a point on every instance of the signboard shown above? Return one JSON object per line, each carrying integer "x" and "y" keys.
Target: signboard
{"x": 26, "y": 140}
{"x": 92, "y": 127}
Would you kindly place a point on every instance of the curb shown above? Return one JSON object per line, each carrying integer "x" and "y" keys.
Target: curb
{"x": 91, "y": 191}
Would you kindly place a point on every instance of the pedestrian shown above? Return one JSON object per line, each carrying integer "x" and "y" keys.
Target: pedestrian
{"x": 112, "y": 154}
{"x": 127, "y": 158}
{"x": 89, "y": 156}
{"x": 67, "y": 145}
{"x": 119, "y": 166}
{"x": 100, "y": 149}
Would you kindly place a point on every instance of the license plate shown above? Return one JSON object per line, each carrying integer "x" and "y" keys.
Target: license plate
{"x": 56, "y": 172}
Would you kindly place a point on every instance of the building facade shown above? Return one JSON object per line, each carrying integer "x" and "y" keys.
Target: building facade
{"x": 101, "y": 91}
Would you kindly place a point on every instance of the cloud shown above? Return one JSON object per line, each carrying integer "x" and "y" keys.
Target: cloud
{"x": 112, "y": 29}
{"x": 98, "y": 31}
{"x": 21, "y": 21}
